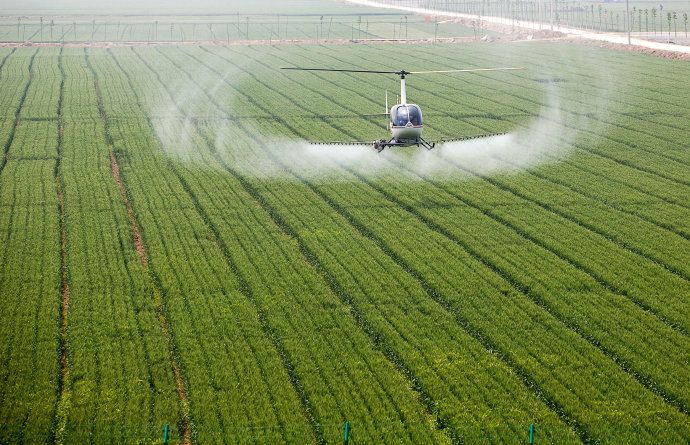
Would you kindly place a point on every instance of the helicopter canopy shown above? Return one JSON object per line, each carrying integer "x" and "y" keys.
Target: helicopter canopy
{"x": 402, "y": 114}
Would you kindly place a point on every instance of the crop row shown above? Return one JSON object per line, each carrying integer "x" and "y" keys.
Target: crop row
{"x": 229, "y": 279}
{"x": 30, "y": 265}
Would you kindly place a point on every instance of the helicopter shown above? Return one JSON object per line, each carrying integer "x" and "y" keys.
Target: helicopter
{"x": 405, "y": 120}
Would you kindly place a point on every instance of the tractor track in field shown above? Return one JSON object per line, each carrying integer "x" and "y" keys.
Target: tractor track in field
{"x": 141, "y": 249}
{"x": 64, "y": 383}
{"x": 13, "y": 130}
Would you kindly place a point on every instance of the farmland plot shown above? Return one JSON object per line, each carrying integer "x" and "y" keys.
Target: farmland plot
{"x": 220, "y": 272}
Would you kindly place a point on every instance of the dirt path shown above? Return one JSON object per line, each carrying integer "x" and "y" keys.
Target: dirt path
{"x": 237, "y": 42}
{"x": 509, "y": 34}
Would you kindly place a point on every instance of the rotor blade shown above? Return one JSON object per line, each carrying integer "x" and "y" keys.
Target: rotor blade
{"x": 342, "y": 71}
{"x": 400, "y": 72}
{"x": 464, "y": 71}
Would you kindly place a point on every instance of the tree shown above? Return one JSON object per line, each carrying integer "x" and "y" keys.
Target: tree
{"x": 654, "y": 20}
{"x": 632, "y": 18}
{"x": 646, "y": 20}
{"x": 675, "y": 24}
{"x": 639, "y": 20}
{"x": 599, "y": 9}
{"x": 685, "y": 18}
{"x": 669, "y": 17}
{"x": 606, "y": 19}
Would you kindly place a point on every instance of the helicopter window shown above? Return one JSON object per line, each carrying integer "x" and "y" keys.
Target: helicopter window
{"x": 400, "y": 116}
{"x": 403, "y": 114}
{"x": 415, "y": 115}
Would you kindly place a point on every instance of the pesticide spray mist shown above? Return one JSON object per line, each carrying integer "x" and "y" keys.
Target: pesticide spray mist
{"x": 200, "y": 115}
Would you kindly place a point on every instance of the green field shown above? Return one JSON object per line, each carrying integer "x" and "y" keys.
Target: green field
{"x": 238, "y": 284}
{"x": 38, "y": 21}
{"x": 228, "y": 28}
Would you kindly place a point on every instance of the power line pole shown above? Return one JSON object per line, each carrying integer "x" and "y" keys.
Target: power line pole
{"x": 627, "y": 18}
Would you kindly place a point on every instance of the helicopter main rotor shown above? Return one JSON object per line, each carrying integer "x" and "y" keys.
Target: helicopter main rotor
{"x": 402, "y": 73}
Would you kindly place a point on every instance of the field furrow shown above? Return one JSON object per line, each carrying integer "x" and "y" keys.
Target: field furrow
{"x": 18, "y": 77}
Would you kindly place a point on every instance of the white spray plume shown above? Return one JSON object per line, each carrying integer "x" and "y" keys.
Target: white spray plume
{"x": 278, "y": 158}
{"x": 546, "y": 138}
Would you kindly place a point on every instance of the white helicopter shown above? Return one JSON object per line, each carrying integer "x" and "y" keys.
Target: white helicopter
{"x": 405, "y": 124}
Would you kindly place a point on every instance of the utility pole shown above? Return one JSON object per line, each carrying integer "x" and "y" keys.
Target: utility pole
{"x": 627, "y": 18}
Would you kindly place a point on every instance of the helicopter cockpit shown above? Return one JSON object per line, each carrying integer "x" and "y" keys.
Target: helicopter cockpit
{"x": 402, "y": 114}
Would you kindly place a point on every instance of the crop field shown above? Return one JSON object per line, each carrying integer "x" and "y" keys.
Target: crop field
{"x": 173, "y": 251}
{"x": 230, "y": 28}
